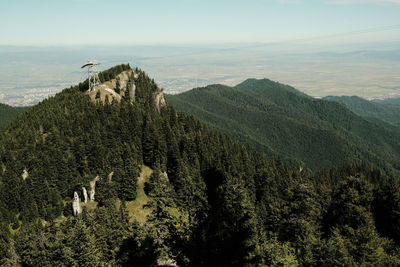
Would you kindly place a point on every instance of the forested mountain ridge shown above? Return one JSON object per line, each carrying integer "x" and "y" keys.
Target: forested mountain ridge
{"x": 386, "y": 110}
{"x": 8, "y": 114}
{"x": 278, "y": 120}
{"x": 209, "y": 201}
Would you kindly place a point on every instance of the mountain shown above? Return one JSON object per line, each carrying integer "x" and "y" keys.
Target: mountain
{"x": 8, "y": 114}
{"x": 279, "y": 120}
{"x": 116, "y": 177}
{"x": 386, "y": 110}
{"x": 388, "y": 101}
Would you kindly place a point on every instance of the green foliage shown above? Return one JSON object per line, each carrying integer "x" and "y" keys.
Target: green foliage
{"x": 118, "y": 87}
{"x": 302, "y": 226}
{"x": 278, "y": 254}
{"x": 84, "y": 246}
{"x": 279, "y": 121}
{"x": 110, "y": 227}
{"x": 5, "y": 243}
{"x": 351, "y": 203}
{"x": 139, "y": 249}
{"x": 386, "y": 208}
{"x": 210, "y": 202}
{"x": 354, "y": 239}
{"x": 386, "y": 110}
{"x": 229, "y": 236}
{"x": 8, "y": 114}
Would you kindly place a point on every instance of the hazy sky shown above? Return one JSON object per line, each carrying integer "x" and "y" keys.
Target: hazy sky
{"x": 66, "y": 22}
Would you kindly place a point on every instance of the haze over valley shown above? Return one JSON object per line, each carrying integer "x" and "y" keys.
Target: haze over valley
{"x": 30, "y": 74}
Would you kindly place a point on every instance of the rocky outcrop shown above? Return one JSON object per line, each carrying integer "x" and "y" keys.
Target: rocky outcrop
{"x": 165, "y": 174}
{"x": 85, "y": 195}
{"x": 93, "y": 188}
{"x": 124, "y": 86}
{"x": 110, "y": 176}
{"x": 166, "y": 262}
{"x": 159, "y": 100}
{"x": 76, "y": 204}
{"x": 115, "y": 89}
{"x": 132, "y": 91}
{"x": 25, "y": 174}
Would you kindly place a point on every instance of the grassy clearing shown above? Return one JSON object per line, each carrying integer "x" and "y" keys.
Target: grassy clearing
{"x": 179, "y": 215}
{"x": 135, "y": 208}
{"x": 90, "y": 205}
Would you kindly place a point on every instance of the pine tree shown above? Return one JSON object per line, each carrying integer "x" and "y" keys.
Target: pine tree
{"x": 84, "y": 246}
{"x": 354, "y": 233}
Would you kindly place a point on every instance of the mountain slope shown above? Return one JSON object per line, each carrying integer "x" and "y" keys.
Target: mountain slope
{"x": 8, "y": 114}
{"x": 70, "y": 141}
{"x": 165, "y": 190}
{"x": 278, "y": 120}
{"x": 386, "y": 110}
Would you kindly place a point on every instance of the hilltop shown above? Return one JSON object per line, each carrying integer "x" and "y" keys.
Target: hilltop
{"x": 280, "y": 121}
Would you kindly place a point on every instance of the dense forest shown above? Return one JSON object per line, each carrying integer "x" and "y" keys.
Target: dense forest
{"x": 280, "y": 121}
{"x": 172, "y": 192}
{"x": 9, "y": 113}
{"x": 387, "y": 109}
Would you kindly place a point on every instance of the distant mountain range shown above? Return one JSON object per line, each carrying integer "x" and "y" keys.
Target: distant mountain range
{"x": 279, "y": 120}
{"x": 387, "y": 110}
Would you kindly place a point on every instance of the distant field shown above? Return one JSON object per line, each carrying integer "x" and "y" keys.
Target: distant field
{"x": 30, "y": 74}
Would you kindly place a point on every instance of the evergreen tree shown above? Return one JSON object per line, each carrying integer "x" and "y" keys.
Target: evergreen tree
{"x": 83, "y": 245}
{"x": 354, "y": 233}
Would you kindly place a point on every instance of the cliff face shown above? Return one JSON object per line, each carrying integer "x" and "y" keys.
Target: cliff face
{"x": 115, "y": 89}
{"x": 124, "y": 85}
{"x": 159, "y": 100}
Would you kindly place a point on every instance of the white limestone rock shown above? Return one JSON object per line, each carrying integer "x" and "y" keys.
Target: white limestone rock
{"x": 76, "y": 204}
{"x": 25, "y": 174}
{"x": 110, "y": 176}
{"x": 123, "y": 85}
{"x": 159, "y": 100}
{"x": 167, "y": 262}
{"x": 132, "y": 90}
{"x": 165, "y": 174}
{"x": 124, "y": 82}
{"x": 124, "y": 78}
{"x": 85, "y": 195}
{"x": 93, "y": 188}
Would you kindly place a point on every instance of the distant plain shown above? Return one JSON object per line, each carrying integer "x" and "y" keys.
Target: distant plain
{"x": 30, "y": 74}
